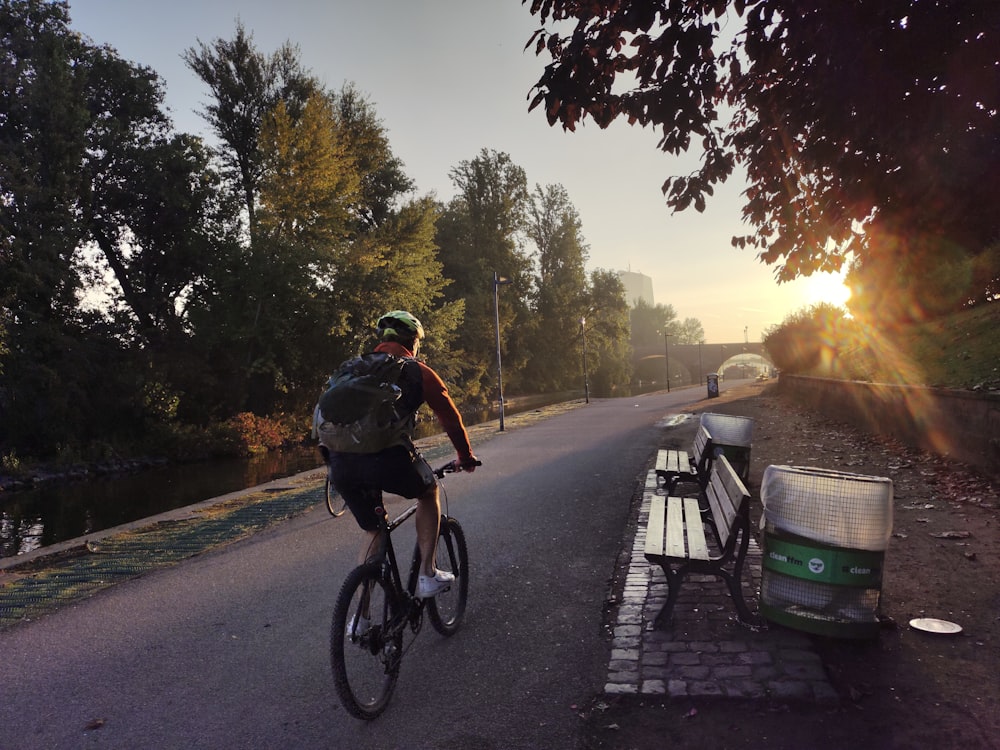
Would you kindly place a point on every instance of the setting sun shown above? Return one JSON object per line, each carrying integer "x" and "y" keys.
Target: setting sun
{"x": 828, "y": 288}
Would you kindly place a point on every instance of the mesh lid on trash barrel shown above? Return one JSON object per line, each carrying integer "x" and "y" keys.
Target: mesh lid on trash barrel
{"x": 838, "y": 508}
{"x": 727, "y": 429}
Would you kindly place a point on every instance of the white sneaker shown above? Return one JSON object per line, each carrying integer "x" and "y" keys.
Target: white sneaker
{"x": 428, "y": 586}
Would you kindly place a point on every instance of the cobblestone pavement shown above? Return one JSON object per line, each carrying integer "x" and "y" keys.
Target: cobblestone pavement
{"x": 705, "y": 650}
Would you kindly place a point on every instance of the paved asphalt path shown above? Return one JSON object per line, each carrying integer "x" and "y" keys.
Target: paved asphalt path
{"x": 230, "y": 649}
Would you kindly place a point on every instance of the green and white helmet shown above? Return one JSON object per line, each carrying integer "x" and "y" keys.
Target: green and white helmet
{"x": 401, "y": 324}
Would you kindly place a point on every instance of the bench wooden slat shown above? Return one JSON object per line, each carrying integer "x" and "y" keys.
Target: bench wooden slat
{"x": 654, "y": 529}
{"x": 697, "y": 546}
{"x": 721, "y": 507}
{"x": 674, "y": 546}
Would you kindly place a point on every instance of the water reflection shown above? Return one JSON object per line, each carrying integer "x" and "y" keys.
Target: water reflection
{"x": 50, "y": 514}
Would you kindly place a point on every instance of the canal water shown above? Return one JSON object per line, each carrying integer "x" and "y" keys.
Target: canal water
{"x": 49, "y": 514}
{"x": 56, "y": 512}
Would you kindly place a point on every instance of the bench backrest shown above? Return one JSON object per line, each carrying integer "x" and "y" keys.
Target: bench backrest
{"x": 728, "y": 499}
{"x": 702, "y": 451}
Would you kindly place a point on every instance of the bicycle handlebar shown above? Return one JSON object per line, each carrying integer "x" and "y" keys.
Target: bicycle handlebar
{"x": 451, "y": 467}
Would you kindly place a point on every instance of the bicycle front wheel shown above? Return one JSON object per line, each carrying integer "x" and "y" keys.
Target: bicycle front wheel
{"x": 335, "y": 507}
{"x": 365, "y": 647}
{"x": 447, "y": 608}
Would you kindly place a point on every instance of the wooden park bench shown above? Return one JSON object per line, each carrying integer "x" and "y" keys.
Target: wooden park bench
{"x": 676, "y": 539}
{"x": 677, "y": 466}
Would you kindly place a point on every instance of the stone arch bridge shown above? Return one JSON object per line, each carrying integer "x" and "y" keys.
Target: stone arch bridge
{"x": 690, "y": 362}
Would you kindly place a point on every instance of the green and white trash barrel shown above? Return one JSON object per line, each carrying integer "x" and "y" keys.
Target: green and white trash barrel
{"x": 733, "y": 437}
{"x": 824, "y": 538}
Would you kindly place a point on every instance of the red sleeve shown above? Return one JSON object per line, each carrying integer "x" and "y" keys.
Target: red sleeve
{"x": 437, "y": 398}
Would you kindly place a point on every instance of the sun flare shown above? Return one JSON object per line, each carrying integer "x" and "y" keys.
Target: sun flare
{"x": 828, "y": 288}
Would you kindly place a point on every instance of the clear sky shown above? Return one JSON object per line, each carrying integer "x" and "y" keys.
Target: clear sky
{"x": 449, "y": 78}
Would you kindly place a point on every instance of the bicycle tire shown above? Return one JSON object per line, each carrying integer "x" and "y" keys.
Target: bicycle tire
{"x": 447, "y": 608}
{"x": 331, "y": 501}
{"x": 365, "y": 665}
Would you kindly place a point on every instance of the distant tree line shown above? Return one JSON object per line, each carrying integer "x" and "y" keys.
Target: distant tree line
{"x": 158, "y": 293}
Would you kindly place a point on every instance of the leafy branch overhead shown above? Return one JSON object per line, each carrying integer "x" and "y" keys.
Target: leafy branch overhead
{"x": 862, "y": 127}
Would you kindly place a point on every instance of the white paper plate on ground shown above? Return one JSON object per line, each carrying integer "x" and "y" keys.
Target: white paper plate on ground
{"x": 933, "y": 625}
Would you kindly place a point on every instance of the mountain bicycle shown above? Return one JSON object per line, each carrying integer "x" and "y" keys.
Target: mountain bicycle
{"x": 374, "y": 611}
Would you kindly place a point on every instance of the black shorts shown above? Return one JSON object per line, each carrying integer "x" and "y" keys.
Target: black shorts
{"x": 361, "y": 478}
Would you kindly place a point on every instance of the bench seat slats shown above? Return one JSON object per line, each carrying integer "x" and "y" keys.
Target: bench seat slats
{"x": 674, "y": 546}
{"x": 672, "y": 462}
{"x": 697, "y": 546}
{"x": 654, "y": 529}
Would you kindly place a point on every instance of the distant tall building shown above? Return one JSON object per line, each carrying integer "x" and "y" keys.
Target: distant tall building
{"x": 637, "y": 287}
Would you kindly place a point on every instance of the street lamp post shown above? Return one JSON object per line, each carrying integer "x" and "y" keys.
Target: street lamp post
{"x": 701, "y": 367}
{"x": 497, "y": 281}
{"x": 666, "y": 356}
{"x": 586, "y": 379}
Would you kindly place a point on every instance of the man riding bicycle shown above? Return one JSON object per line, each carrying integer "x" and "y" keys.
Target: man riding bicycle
{"x": 361, "y": 478}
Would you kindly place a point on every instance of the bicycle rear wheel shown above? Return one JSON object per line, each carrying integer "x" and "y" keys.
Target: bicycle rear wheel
{"x": 447, "y": 608}
{"x": 335, "y": 507}
{"x": 364, "y": 655}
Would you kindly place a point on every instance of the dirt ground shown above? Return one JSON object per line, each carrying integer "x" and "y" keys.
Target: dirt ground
{"x": 905, "y": 689}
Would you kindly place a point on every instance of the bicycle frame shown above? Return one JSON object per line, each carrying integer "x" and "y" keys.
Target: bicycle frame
{"x": 386, "y": 556}
{"x": 386, "y": 553}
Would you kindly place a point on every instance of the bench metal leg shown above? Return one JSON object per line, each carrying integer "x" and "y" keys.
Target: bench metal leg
{"x": 733, "y": 579}
{"x": 736, "y": 592}
{"x": 669, "y": 478}
{"x": 674, "y": 580}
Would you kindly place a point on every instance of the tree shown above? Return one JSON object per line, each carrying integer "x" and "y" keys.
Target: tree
{"x": 246, "y": 87}
{"x": 329, "y": 246}
{"x": 559, "y": 300}
{"x": 609, "y": 352}
{"x": 151, "y": 199}
{"x": 849, "y": 138}
{"x": 478, "y": 236}
{"x": 690, "y": 331}
{"x": 650, "y": 322}
{"x": 383, "y": 180}
{"x": 285, "y": 156}
{"x": 86, "y": 159}
{"x": 40, "y": 181}
{"x": 806, "y": 339}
